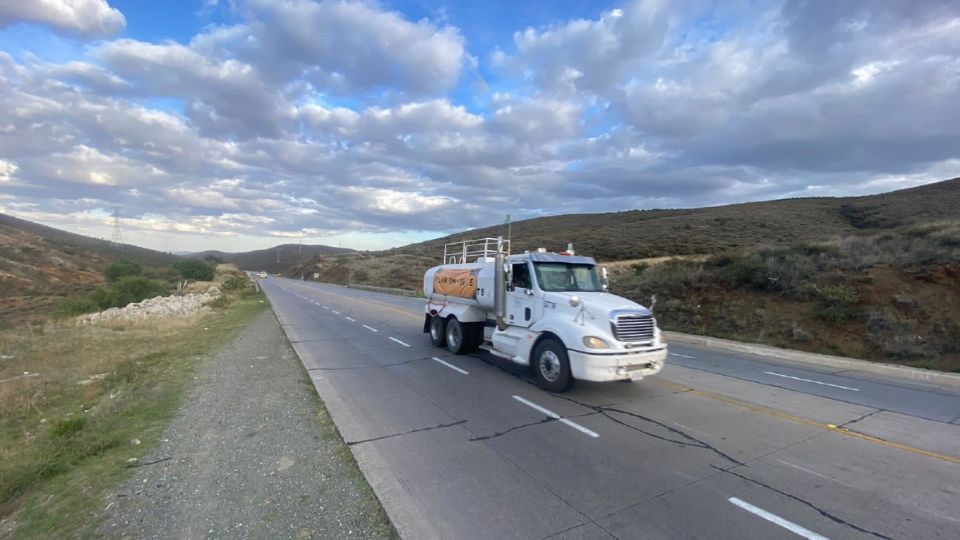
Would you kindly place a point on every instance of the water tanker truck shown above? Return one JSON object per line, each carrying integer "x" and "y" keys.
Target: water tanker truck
{"x": 549, "y": 311}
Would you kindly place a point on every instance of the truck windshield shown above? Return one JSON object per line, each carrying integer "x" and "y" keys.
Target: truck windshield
{"x": 567, "y": 277}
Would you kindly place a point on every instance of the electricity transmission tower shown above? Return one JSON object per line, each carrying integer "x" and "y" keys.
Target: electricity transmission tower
{"x": 116, "y": 237}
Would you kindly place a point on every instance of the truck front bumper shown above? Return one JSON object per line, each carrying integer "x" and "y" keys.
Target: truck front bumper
{"x": 631, "y": 366}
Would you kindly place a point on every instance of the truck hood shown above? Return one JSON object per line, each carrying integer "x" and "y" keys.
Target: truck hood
{"x": 598, "y": 305}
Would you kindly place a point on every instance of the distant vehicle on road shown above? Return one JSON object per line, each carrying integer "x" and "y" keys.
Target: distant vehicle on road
{"x": 263, "y": 275}
{"x": 550, "y": 311}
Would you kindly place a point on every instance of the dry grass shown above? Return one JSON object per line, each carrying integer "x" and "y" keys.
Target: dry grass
{"x": 73, "y": 398}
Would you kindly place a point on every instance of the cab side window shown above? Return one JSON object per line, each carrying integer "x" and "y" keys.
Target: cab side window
{"x": 521, "y": 276}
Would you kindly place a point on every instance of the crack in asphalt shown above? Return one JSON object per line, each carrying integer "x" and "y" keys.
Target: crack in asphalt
{"x": 817, "y": 509}
{"x": 862, "y": 417}
{"x": 545, "y": 420}
{"x": 418, "y": 430}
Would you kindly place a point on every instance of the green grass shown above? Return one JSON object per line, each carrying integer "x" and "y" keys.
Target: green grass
{"x": 65, "y": 435}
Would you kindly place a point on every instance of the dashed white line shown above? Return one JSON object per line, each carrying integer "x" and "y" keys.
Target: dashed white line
{"x": 777, "y": 520}
{"x": 556, "y": 416}
{"x": 337, "y": 312}
{"x": 451, "y": 366}
{"x": 806, "y": 470}
{"x": 398, "y": 341}
{"x": 370, "y": 328}
{"x": 326, "y": 308}
{"x": 810, "y": 381}
{"x": 349, "y": 318}
{"x": 682, "y": 355}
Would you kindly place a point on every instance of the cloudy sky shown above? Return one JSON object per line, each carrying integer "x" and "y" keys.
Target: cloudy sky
{"x": 241, "y": 124}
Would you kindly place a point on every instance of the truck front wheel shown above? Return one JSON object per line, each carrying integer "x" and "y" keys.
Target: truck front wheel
{"x": 437, "y": 331}
{"x": 551, "y": 366}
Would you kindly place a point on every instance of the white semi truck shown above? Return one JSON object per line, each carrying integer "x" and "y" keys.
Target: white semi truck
{"x": 549, "y": 311}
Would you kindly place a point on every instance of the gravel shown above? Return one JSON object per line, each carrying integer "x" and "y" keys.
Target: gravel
{"x": 251, "y": 454}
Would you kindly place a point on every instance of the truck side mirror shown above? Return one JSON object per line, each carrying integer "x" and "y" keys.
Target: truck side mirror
{"x": 606, "y": 277}
{"x": 508, "y": 272}
{"x": 653, "y": 301}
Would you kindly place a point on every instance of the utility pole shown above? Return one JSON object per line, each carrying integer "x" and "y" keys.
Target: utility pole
{"x": 278, "y": 254}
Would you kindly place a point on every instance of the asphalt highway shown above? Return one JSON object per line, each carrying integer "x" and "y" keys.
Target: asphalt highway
{"x": 719, "y": 445}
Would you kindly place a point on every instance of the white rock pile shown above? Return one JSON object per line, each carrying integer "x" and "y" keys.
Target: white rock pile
{"x": 160, "y": 306}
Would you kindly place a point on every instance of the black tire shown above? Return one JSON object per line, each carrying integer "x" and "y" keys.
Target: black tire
{"x": 457, "y": 336}
{"x": 551, "y": 366}
{"x": 438, "y": 328}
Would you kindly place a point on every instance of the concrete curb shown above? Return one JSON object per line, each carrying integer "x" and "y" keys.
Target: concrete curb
{"x": 815, "y": 359}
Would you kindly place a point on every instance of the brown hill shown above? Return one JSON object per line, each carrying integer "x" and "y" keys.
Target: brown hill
{"x": 40, "y": 265}
{"x": 276, "y": 259}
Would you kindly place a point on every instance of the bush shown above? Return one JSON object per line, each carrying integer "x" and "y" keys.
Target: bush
{"x": 120, "y": 269}
{"x": 839, "y": 304}
{"x": 130, "y": 289}
{"x": 195, "y": 269}
{"x": 234, "y": 283}
{"x": 77, "y": 306}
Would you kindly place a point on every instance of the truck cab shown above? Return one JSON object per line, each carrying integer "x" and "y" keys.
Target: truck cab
{"x": 550, "y": 311}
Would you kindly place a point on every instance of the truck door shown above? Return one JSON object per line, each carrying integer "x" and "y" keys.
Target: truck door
{"x": 521, "y": 300}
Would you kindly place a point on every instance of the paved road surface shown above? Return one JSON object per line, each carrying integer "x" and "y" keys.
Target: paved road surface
{"x": 718, "y": 445}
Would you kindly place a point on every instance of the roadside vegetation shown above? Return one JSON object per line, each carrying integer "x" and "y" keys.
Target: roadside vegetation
{"x": 81, "y": 404}
{"x": 891, "y": 296}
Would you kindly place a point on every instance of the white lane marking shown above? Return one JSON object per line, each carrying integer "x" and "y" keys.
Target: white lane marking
{"x": 556, "y": 416}
{"x": 688, "y": 428}
{"x": 451, "y": 366}
{"x": 325, "y": 307}
{"x": 349, "y": 318}
{"x": 337, "y": 312}
{"x": 810, "y": 381}
{"x": 681, "y": 355}
{"x": 777, "y": 520}
{"x": 398, "y": 341}
{"x": 370, "y": 328}
{"x": 806, "y": 470}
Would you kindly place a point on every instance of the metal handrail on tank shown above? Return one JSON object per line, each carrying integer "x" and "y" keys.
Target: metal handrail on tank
{"x": 473, "y": 250}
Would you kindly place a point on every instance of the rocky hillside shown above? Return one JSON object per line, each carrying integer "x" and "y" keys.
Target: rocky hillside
{"x": 39, "y": 266}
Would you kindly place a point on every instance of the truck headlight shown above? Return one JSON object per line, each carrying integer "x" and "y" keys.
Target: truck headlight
{"x": 593, "y": 342}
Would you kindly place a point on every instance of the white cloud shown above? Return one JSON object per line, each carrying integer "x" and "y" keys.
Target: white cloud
{"x": 87, "y": 18}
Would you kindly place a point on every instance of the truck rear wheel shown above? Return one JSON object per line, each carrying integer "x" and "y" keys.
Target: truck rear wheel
{"x": 551, "y": 366}
{"x": 438, "y": 328}
{"x": 457, "y": 336}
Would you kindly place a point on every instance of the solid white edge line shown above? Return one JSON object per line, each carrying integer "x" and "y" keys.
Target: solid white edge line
{"x": 556, "y": 416}
{"x": 451, "y": 366}
{"x": 349, "y": 318}
{"x": 398, "y": 341}
{"x": 370, "y": 328}
{"x": 810, "y": 381}
{"x": 775, "y": 519}
{"x": 681, "y": 355}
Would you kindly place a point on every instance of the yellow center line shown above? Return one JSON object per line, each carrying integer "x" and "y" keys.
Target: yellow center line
{"x": 808, "y": 422}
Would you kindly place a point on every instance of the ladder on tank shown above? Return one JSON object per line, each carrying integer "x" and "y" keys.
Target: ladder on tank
{"x": 479, "y": 250}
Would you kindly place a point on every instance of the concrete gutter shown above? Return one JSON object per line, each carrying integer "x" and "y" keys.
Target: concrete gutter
{"x": 818, "y": 360}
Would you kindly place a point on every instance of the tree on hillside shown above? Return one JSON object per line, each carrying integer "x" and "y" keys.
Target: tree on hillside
{"x": 195, "y": 269}
{"x": 122, "y": 268}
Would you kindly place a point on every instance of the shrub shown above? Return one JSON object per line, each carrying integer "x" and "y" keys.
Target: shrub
{"x": 77, "y": 306}
{"x": 68, "y": 426}
{"x": 195, "y": 269}
{"x": 120, "y": 269}
{"x": 130, "y": 289}
{"x": 234, "y": 283}
{"x": 839, "y": 304}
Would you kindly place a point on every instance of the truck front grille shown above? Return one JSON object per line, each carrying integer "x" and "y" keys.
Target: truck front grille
{"x": 634, "y": 328}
